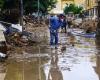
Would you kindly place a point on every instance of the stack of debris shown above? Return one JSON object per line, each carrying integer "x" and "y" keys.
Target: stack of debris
{"x": 34, "y": 22}
{"x": 33, "y": 32}
{"x": 13, "y": 35}
{"x": 3, "y": 45}
{"x": 89, "y": 25}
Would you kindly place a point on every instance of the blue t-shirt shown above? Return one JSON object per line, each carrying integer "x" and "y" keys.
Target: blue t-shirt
{"x": 55, "y": 23}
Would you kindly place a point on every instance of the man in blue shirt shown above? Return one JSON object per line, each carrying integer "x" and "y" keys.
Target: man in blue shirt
{"x": 55, "y": 23}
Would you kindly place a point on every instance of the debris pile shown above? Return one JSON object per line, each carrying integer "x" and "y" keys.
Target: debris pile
{"x": 89, "y": 25}
{"x": 33, "y": 32}
{"x": 34, "y": 22}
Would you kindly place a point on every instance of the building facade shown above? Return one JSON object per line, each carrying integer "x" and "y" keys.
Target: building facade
{"x": 77, "y": 2}
{"x": 57, "y": 9}
{"x": 88, "y": 5}
{"x": 91, "y": 7}
{"x": 66, "y": 2}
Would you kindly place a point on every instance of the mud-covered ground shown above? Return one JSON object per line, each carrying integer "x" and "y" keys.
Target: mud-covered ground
{"x": 77, "y": 58}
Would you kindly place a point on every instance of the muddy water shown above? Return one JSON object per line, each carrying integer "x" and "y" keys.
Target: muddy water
{"x": 77, "y": 58}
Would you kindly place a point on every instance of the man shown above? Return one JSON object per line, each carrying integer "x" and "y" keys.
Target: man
{"x": 64, "y": 24}
{"x": 55, "y": 24}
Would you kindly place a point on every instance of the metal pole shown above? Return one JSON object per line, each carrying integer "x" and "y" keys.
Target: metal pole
{"x": 21, "y": 23}
{"x": 21, "y": 14}
{"x": 38, "y": 10}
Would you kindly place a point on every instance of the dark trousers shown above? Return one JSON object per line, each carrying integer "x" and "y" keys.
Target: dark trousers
{"x": 53, "y": 38}
{"x": 64, "y": 27}
{"x": 69, "y": 24}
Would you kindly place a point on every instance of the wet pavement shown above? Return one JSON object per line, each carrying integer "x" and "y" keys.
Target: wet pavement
{"x": 77, "y": 58}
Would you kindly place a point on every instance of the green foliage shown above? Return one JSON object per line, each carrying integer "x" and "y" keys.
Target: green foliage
{"x": 30, "y": 6}
{"x": 10, "y": 11}
{"x": 11, "y": 8}
{"x": 1, "y": 3}
{"x": 73, "y": 8}
{"x": 10, "y": 4}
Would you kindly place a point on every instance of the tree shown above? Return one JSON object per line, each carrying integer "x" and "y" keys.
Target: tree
{"x": 11, "y": 8}
{"x": 31, "y": 6}
{"x": 73, "y": 8}
{"x": 1, "y": 3}
{"x": 10, "y": 11}
{"x": 10, "y": 4}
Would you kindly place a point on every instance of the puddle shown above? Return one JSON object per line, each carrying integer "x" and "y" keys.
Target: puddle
{"x": 79, "y": 59}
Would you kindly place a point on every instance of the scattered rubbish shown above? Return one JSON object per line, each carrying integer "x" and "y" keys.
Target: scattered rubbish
{"x": 65, "y": 68}
{"x": 17, "y": 26}
{"x": 2, "y": 55}
{"x": 2, "y": 28}
{"x": 3, "y": 45}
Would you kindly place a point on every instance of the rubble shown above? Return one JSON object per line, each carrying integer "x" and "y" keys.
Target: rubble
{"x": 3, "y": 46}
{"x": 17, "y": 26}
{"x": 33, "y": 32}
{"x": 2, "y": 28}
{"x": 2, "y": 55}
{"x": 89, "y": 25}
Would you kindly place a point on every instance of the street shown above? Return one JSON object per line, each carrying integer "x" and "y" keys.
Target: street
{"x": 49, "y": 39}
{"x": 75, "y": 59}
